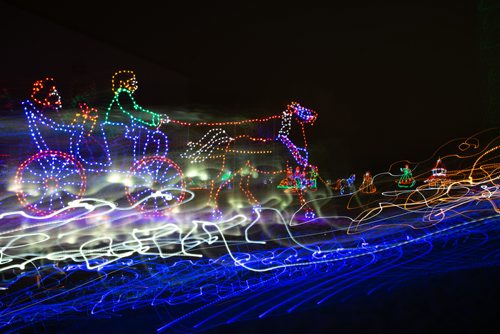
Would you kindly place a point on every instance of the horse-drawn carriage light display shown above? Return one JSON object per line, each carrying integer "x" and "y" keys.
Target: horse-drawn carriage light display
{"x": 135, "y": 149}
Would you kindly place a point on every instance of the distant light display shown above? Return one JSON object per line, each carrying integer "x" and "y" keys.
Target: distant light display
{"x": 406, "y": 180}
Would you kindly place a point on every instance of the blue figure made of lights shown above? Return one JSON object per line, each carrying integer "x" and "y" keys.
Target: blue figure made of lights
{"x": 68, "y": 153}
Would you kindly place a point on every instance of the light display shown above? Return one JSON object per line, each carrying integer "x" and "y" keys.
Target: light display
{"x": 124, "y": 84}
{"x": 45, "y": 95}
{"x": 216, "y": 143}
{"x": 47, "y": 180}
{"x": 350, "y": 180}
{"x": 300, "y": 180}
{"x": 406, "y": 180}
{"x": 109, "y": 223}
{"x": 438, "y": 177}
{"x": 367, "y": 186}
{"x": 155, "y": 174}
{"x": 89, "y": 146}
{"x": 87, "y": 118}
{"x": 203, "y": 149}
{"x": 344, "y": 186}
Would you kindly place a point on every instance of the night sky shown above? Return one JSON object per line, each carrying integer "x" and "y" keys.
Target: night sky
{"x": 389, "y": 80}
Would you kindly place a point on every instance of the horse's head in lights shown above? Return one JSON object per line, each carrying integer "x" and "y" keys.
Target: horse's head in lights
{"x": 304, "y": 115}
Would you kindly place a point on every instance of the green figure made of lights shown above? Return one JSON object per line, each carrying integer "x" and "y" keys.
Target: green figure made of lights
{"x": 313, "y": 174}
{"x": 406, "y": 180}
{"x": 124, "y": 85}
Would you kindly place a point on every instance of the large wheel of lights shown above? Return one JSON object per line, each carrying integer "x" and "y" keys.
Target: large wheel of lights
{"x": 155, "y": 185}
{"x": 48, "y": 180}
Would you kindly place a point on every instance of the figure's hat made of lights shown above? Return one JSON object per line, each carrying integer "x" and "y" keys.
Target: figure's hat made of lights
{"x": 439, "y": 169}
{"x": 439, "y": 164}
{"x": 42, "y": 92}
{"x": 123, "y": 79}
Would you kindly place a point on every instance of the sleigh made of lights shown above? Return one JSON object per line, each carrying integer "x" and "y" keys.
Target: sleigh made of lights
{"x": 69, "y": 153}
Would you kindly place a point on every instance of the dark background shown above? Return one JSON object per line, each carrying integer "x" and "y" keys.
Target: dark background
{"x": 390, "y": 81}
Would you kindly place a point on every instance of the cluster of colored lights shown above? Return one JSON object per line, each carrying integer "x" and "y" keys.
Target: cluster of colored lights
{"x": 342, "y": 185}
{"x": 406, "y": 180}
{"x": 305, "y": 116}
{"x": 45, "y": 94}
{"x": 217, "y": 144}
{"x": 87, "y": 114}
{"x": 41, "y": 181}
{"x": 300, "y": 180}
{"x": 214, "y": 144}
{"x": 438, "y": 176}
{"x": 124, "y": 79}
{"x": 367, "y": 186}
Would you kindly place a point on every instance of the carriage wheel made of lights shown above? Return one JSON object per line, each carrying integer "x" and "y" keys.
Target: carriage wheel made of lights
{"x": 47, "y": 181}
{"x": 155, "y": 185}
